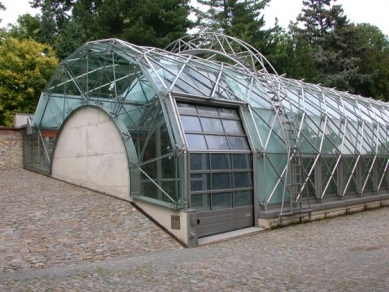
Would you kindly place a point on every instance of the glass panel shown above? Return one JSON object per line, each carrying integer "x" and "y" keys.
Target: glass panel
{"x": 150, "y": 190}
{"x": 200, "y": 80}
{"x": 243, "y": 198}
{"x": 221, "y": 181}
{"x": 190, "y": 123}
{"x": 196, "y": 141}
{"x": 165, "y": 140}
{"x": 167, "y": 167}
{"x": 327, "y": 167}
{"x": 347, "y": 167}
{"x": 170, "y": 188}
{"x": 241, "y": 161}
{"x": 220, "y": 161}
{"x": 233, "y": 127}
{"x": 221, "y": 201}
{"x": 217, "y": 142}
{"x": 242, "y": 180}
{"x": 207, "y": 110}
{"x": 365, "y": 165}
{"x": 150, "y": 169}
{"x": 382, "y": 173}
{"x": 199, "y": 162}
{"x": 199, "y": 182}
{"x": 310, "y": 187}
{"x": 238, "y": 143}
{"x": 201, "y": 202}
{"x": 212, "y": 125}
{"x": 186, "y": 108}
{"x": 225, "y": 112}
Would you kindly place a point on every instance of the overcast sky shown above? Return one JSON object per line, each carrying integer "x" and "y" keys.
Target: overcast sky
{"x": 372, "y": 11}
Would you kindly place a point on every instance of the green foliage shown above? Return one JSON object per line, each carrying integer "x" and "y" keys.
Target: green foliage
{"x": 324, "y": 47}
{"x": 69, "y": 39}
{"x": 327, "y": 30}
{"x": 2, "y": 7}
{"x": 374, "y": 55}
{"x": 293, "y": 56}
{"x": 241, "y": 19}
{"x": 66, "y": 24}
{"x": 156, "y": 23}
{"x": 25, "y": 68}
{"x": 55, "y": 11}
{"x": 27, "y": 27}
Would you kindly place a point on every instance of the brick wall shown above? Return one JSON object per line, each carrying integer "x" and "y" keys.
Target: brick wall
{"x": 11, "y": 148}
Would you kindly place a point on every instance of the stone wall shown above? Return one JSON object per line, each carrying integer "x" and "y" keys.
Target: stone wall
{"x": 11, "y": 148}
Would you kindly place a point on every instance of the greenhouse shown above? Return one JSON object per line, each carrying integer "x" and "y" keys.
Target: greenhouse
{"x": 205, "y": 137}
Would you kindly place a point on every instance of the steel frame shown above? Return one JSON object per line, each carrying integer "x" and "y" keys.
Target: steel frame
{"x": 290, "y": 119}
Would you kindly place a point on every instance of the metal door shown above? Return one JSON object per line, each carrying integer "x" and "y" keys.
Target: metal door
{"x": 221, "y": 175}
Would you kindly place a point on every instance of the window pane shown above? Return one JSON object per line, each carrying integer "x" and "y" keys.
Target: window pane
{"x": 241, "y": 161}
{"x": 238, "y": 143}
{"x": 233, "y": 127}
{"x": 221, "y": 201}
{"x": 242, "y": 180}
{"x": 170, "y": 188}
{"x": 225, "y": 112}
{"x": 190, "y": 123}
{"x": 199, "y": 182}
{"x": 150, "y": 190}
{"x": 150, "y": 169}
{"x": 243, "y": 198}
{"x": 201, "y": 202}
{"x": 199, "y": 162}
{"x": 165, "y": 141}
{"x": 220, "y": 161}
{"x": 221, "y": 181}
{"x": 167, "y": 167}
{"x": 207, "y": 110}
{"x": 186, "y": 108}
{"x": 217, "y": 142}
{"x": 212, "y": 125}
{"x": 196, "y": 142}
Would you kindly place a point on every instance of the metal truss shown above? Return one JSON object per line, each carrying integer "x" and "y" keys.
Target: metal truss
{"x": 309, "y": 142}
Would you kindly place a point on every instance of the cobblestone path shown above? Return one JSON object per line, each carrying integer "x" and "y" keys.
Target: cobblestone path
{"x": 45, "y": 222}
{"x": 349, "y": 253}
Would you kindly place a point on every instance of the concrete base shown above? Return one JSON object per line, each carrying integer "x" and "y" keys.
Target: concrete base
{"x": 177, "y": 223}
{"x": 229, "y": 235}
{"x": 312, "y": 215}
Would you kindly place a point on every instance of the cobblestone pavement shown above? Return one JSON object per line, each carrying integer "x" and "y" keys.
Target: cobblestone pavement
{"x": 349, "y": 253}
{"x": 45, "y": 222}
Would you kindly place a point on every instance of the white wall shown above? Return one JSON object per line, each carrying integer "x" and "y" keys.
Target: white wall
{"x": 91, "y": 153}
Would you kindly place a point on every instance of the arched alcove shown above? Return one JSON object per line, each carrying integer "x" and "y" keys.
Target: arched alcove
{"x": 90, "y": 152}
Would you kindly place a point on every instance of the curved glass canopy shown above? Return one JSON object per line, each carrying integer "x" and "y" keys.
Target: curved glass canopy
{"x": 308, "y": 143}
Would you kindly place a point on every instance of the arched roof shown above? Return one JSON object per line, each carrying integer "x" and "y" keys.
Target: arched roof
{"x": 122, "y": 76}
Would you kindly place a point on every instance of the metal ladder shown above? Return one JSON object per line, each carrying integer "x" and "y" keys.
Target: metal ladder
{"x": 295, "y": 165}
{"x": 295, "y": 168}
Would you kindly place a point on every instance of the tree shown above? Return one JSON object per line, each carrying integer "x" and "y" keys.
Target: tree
{"x": 69, "y": 39}
{"x": 25, "y": 68}
{"x": 293, "y": 56}
{"x": 27, "y": 26}
{"x": 157, "y": 23}
{"x": 57, "y": 10}
{"x": 241, "y": 19}
{"x": 334, "y": 43}
{"x": 374, "y": 56}
{"x": 2, "y": 7}
{"x": 151, "y": 23}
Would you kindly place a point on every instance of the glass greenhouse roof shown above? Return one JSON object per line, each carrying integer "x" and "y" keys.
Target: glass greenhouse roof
{"x": 133, "y": 83}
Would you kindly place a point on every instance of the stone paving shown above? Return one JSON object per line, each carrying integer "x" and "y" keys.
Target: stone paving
{"x": 45, "y": 222}
{"x": 349, "y": 253}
